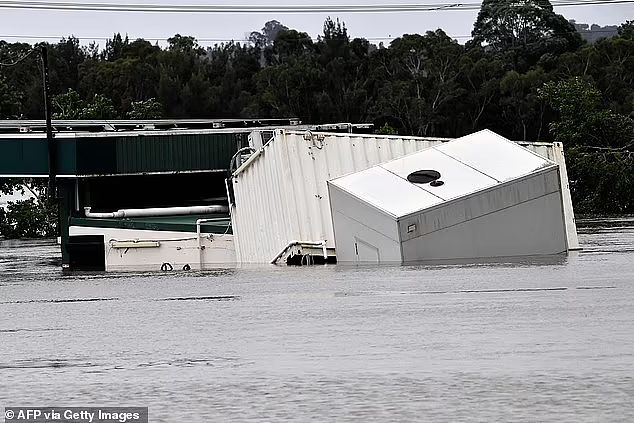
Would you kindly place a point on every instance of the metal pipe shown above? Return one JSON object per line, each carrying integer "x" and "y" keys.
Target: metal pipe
{"x": 200, "y": 241}
{"x": 151, "y": 212}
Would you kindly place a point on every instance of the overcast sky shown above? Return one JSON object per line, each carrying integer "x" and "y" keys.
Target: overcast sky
{"x": 155, "y": 26}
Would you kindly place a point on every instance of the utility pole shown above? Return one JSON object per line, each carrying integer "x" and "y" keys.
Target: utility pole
{"x": 51, "y": 142}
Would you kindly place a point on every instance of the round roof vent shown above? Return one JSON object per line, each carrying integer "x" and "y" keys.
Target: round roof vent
{"x": 423, "y": 176}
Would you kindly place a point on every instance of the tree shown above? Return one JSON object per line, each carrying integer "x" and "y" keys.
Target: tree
{"x": 71, "y": 106}
{"x": 290, "y": 44}
{"x": 626, "y": 30}
{"x": 521, "y": 105}
{"x": 34, "y": 217}
{"x": 101, "y": 107}
{"x": 480, "y": 76}
{"x": 184, "y": 44}
{"x": 582, "y": 121}
{"x": 26, "y": 219}
{"x": 115, "y": 48}
{"x": 10, "y": 100}
{"x": 148, "y": 109}
{"x": 525, "y": 29}
{"x": 269, "y": 34}
{"x": 420, "y": 79}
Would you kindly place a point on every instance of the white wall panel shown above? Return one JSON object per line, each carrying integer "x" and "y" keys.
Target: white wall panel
{"x": 531, "y": 228}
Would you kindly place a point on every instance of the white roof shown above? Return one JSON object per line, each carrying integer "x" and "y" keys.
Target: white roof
{"x": 466, "y": 165}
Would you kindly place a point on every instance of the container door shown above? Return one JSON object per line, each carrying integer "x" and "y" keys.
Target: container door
{"x": 366, "y": 252}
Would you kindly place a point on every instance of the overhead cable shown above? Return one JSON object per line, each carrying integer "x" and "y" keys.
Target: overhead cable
{"x": 252, "y": 9}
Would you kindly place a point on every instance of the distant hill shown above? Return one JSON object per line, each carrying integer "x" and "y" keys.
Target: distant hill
{"x": 594, "y": 32}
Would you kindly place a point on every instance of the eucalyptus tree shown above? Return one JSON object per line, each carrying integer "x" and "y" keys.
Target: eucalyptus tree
{"x": 420, "y": 83}
{"x": 524, "y": 29}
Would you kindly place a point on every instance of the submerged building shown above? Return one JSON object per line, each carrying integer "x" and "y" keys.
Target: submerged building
{"x": 170, "y": 195}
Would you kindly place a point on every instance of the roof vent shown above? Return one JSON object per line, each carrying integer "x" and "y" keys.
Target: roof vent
{"x": 423, "y": 176}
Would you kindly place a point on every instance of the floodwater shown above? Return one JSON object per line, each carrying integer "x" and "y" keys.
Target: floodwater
{"x": 544, "y": 341}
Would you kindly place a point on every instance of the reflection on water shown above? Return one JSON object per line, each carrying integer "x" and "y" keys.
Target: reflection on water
{"x": 534, "y": 340}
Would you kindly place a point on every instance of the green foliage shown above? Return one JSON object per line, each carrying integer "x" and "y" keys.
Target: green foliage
{"x": 71, "y": 106}
{"x": 10, "y": 100}
{"x": 269, "y": 34}
{"x": 601, "y": 181}
{"x": 184, "y": 44}
{"x": 582, "y": 121}
{"x": 31, "y": 218}
{"x": 148, "y": 109}
{"x": 28, "y": 219}
{"x": 419, "y": 79}
{"x": 100, "y": 108}
{"x": 520, "y": 102}
{"x": 387, "y": 130}
{"x": 626, "y": 30}
{"x": 68, "y": 105}
{"x": 524, "y": 30}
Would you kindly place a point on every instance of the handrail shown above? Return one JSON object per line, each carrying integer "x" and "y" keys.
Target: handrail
{"x": 308, "y": 243}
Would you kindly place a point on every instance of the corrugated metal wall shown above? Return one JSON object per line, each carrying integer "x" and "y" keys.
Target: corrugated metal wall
{"x": 177, "y": 152}
{"x": 281, "y": 193}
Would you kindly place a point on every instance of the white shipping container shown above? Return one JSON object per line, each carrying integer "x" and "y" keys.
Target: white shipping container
{"x": 281, "y": 193}
{"x": 497, "y": 200}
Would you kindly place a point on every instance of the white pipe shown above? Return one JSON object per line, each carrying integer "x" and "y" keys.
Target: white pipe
{"x": 200, "y": 241}
{"x": 164, "y": 211}
{"x": 309, "y": 243}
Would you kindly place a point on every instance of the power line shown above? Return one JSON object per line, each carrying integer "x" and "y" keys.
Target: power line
{"x": 252, "y": 9}
{"x": 85, "y": 6}
{"x": 200, "y": 40}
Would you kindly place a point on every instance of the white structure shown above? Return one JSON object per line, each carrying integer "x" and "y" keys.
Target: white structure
{"x": 280, "y": 195}
{"x": 145, "y": 250}
{"x": 498, "y": 200}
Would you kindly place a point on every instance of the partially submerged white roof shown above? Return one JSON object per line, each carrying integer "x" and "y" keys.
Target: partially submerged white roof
{"x": 466, "y": 165}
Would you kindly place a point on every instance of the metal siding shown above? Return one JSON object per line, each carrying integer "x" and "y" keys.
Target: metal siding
{"x": 96, "y": 156}
{"x": 282, "y": 196}
{"x": 165, "y": 153}
{"x": 531, "y": 228}
{"x": 66, "y": 157}
{"x": 480, "y": 204}
{"x": 26, "y": 156}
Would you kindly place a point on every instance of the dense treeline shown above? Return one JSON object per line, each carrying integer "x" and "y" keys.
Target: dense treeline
{"x": 526, "y": 74}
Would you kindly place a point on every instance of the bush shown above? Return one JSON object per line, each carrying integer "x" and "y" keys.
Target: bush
{"x": 28, "y": 219}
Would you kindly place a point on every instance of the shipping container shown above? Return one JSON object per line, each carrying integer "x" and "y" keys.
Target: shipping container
{"x": 477, "y": 197}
